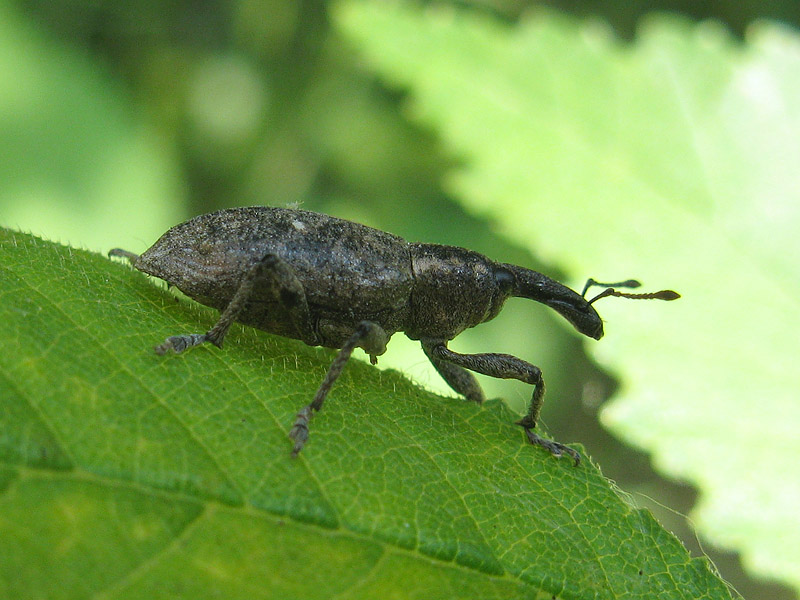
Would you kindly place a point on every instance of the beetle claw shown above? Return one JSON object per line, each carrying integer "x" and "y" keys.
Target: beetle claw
{"x": 557, "y": 449}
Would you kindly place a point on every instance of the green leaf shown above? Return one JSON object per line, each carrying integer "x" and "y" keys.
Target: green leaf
{"x": 124, "y": 474}
{"x": 672, "y": 160}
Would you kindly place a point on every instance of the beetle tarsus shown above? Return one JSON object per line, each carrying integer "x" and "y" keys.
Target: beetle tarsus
{"x": 557, "y": 449}
{"x": 299, "y": 432}
{"x": 179, "y": 343}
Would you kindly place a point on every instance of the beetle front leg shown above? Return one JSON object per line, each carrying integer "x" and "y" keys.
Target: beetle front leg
{"x": 458, "y": 378}
{"x": 505, "y": 366}
{"x": 372, "y": 338}
{"x": 270, "y": 274}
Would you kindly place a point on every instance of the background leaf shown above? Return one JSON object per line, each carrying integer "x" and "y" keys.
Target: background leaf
{"x": 672, "y": 160}
{"x": 128, "y": 475}
{"x": 78, "y": 166}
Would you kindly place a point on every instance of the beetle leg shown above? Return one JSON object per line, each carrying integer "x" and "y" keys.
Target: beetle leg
{"x": 272, "y": 273}
{"x": 458, "y": 378}
{"x": 504, "y": 366}
{"x": 126, "y": 254}
{"x": 368, "y": 335}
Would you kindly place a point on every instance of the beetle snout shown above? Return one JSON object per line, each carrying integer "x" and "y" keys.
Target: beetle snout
{"x": 582, "y": 316}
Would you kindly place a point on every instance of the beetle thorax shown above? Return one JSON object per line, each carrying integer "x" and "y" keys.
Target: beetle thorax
{"x": 454, "y": 289}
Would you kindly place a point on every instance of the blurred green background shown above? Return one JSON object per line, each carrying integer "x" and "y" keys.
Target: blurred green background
{"x": 118, "y": 120}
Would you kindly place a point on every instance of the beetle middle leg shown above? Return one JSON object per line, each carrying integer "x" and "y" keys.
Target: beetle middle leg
{"x": 502, "y": 366}
{"x": 271, "y": 274}
{"x": 369, "y": 336}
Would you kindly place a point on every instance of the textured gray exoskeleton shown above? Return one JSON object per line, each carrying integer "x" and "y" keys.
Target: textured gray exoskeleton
{"x": 339, "y": 284}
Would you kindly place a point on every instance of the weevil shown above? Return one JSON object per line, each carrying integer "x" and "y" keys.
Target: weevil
{"x": 340, "y": 284}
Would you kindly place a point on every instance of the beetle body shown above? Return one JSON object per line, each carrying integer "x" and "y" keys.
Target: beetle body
{"x": 349, "y": 273}
{"x": 340, "y": 284}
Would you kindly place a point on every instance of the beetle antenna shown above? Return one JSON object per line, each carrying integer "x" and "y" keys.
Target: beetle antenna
{"x": 660, "y": 295}
{"x": 630, "y": 283}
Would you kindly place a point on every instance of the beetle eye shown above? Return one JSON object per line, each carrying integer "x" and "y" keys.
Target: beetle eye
{"x": 505, "y": 280}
